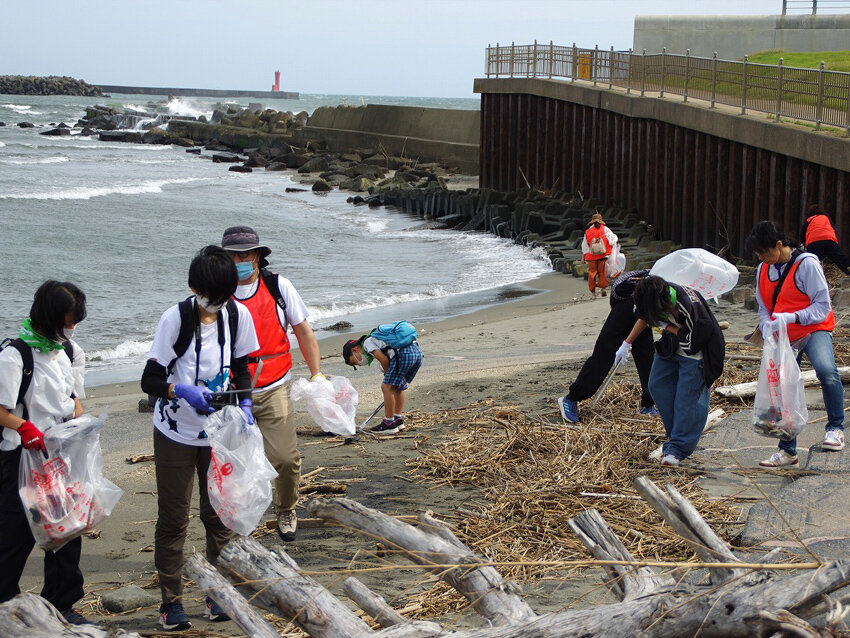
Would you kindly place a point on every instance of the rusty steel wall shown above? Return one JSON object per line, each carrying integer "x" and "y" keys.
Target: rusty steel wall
{"x": 696, "y": 189}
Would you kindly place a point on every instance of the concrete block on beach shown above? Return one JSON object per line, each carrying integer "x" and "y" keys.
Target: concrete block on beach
{"x": 128, "y": 598}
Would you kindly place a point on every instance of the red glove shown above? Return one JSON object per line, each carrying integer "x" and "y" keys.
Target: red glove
{"x": 31, "y": 437}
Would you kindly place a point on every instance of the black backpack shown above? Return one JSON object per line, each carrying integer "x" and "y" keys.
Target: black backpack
{"x": 270, "y": 279}
{"x": 190, "y": 325}
{"x": 26, "y": 378}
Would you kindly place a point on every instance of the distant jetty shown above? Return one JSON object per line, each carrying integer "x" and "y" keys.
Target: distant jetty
{"x": 158, "y": 90}
{"x": 50, "y": 85}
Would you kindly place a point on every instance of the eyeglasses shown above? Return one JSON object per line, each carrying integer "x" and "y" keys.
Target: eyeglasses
{"x": 242, "y": 253}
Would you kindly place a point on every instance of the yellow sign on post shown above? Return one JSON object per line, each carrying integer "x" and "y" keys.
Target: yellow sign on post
{"x": 584, "y": 66}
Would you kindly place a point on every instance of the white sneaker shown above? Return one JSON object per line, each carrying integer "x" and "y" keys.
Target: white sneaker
{"x": 669, "y": 459}
{"x": 779, "y": 459}
{"x": 833, "y": 440}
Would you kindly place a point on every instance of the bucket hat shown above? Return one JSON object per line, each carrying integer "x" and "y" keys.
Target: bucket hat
{"x": 596, "y": 218}
{"x": 240, "y": 238}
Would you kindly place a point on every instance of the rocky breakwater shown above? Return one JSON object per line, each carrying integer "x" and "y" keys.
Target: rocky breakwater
{"x": 49, "y": 85}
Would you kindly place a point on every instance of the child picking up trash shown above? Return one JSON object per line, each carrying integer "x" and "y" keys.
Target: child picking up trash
{"x": 394, "y": 346}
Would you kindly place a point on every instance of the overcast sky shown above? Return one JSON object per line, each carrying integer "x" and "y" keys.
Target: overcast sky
{"x": 430, "y": 48}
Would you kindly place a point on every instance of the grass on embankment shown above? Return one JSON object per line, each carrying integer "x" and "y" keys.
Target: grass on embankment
{"x": 832, "y": 60}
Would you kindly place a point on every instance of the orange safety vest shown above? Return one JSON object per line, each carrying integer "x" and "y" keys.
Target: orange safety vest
{"x": 271, "y": 335}
{"x": 819, "y": 229}
{"x": 592, "y": 233}
{"x": 791, "y": 299}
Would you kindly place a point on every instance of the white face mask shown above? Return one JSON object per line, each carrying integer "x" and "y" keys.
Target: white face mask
{"x": 68, "y": 333}
{"x": 207, "y": 305}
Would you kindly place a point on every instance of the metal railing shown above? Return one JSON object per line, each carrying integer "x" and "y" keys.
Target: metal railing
{"x": 807, "y": 95}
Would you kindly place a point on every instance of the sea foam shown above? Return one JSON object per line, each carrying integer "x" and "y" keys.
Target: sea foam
{"x": 152, "y": 186}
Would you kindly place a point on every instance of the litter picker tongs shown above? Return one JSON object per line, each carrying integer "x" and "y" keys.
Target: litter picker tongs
{"x": 352, "y": 439}
{"x": 605, "y": 384}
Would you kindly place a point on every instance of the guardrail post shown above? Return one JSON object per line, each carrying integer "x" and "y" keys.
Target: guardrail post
{"x": 534, "y": 60}
{"x": 595, "y": 64}
{"x": 663, "y": 68}
{"x": 574, "y": 65}
{"x": 611, "y": 70}
{"x": 744, "y": 87}
{"x": 687, "y": 72}
{"x": 820, "y": 97}
{"x": 629, "y": 80}
{"x": 551, "y": 58}
{"x": 713, "y": 78}
{"x": 643, "y": 73}
{"x": 779, "y": 89}
{"x": 487, "y": 61}
{"x": 498, "y": 59}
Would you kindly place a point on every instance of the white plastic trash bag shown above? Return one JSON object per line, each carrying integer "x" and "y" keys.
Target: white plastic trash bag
{"x": 332, "y": 403}
{"x": 239, "y": 477}
{"x": 616, "y": 262}
{"x": 698, "y": 269}
{"x": 780, "y": 405}
{"x": 66, "y": 494}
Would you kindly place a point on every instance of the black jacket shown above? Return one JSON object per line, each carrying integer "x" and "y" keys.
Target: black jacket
{"x": 699, "y": 332}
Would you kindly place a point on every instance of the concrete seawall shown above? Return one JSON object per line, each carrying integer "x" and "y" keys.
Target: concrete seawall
{"x": 448, "y": 136}
{"x": 158, "y": 90}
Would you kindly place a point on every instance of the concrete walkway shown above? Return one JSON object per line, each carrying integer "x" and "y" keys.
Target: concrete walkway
{"x": 805, "y": 509}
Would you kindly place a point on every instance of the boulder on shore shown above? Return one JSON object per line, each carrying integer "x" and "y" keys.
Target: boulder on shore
{"x": 50, "y": 85}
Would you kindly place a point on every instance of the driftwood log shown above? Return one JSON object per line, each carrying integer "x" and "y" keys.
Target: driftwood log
{"x": 229, "y": 599}
{"x": 746, "y": 390}
{"x": 32, "y": 616}
{"x": 433, "y": 543}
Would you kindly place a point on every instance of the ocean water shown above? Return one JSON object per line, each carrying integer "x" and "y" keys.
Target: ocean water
{"x": 123, "y": 221}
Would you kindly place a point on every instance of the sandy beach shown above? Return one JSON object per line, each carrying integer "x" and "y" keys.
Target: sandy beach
{"x": 523, "y": 352}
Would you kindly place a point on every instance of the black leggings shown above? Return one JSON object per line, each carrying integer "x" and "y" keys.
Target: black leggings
{"x": 63, "y": 580}
{"x": 614, "y": 331}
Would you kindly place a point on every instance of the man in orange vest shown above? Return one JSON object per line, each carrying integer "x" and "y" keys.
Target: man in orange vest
{"x": 595, "y": 248}
{"x": 274, "y": 305}
{"x": 819, "y": 237}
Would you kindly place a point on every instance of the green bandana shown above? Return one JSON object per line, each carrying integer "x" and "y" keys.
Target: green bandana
{"x": 36, "y": 341}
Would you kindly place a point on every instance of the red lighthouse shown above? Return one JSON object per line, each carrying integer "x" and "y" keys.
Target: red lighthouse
{"x": 276, "y": 85}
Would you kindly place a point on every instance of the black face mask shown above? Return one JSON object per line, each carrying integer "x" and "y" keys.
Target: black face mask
{"x": 596, "y": 224}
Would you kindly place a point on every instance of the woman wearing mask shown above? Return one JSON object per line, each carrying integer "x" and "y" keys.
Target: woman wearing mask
{"x": 41, "y": 382}
{"x": 200, "y": 347}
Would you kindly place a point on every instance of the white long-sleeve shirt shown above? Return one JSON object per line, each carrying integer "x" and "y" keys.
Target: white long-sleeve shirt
{"x": 809, "y": 279}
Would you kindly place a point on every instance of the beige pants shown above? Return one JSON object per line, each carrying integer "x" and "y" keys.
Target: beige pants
{"x": 273, "y": 413}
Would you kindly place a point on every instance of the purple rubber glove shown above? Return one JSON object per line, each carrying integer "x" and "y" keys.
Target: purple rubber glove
{"x": 196, "y": 396}
{"x": 246, "y": 406}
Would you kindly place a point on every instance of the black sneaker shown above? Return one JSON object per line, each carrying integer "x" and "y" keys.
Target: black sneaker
{"x": 73, "y": 617}
{"x": 385, "y": 427}
{"x": 172, "y": 617}
{"x": 214, "y": 612}
{"x": 399, "y": 422}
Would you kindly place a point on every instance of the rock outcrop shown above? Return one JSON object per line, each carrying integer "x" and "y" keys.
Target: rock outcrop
{"x": 49, "y": 85}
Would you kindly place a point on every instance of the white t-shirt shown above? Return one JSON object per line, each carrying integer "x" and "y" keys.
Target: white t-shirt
{"x": 176, "y": 419}
{"x": 48, "y": 398}
{"x": 296, "y": 311}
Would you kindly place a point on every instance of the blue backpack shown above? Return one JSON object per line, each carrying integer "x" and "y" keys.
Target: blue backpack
{"x": 395, "y": 335}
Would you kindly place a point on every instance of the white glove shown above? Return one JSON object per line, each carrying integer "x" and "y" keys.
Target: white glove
{"x": 318, "y": 376}
{"x": 784, "y": 317}
{"x": 622, "y": 355}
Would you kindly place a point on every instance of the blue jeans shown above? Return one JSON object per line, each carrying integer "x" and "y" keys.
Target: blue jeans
{"x": 817, "y": 347}
{"x": 681, "y": 397}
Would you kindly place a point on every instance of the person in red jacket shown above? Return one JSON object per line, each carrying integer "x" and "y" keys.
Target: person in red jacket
{"x": 820, "y": 238}
{"x": 596, "y": 247}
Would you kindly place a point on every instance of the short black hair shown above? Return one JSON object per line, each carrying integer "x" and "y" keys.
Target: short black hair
{"x": 212, "y": 274}
{"x": 764, "y": 235}
{"x": 816, "y": 209}
{"x": 652, "y": 299}
{"x": 51, "y": 302}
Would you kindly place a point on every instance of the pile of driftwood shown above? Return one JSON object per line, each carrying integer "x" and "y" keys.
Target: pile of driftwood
{"x": 740, "y": 599}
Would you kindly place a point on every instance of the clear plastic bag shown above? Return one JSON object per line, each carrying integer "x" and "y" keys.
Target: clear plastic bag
{"x": 616, "y": 262}
{"x": 239, "y": 477}
{"x": 332, "y": 403}
{"x": 699, "y": 269}
{"x": 66, "y": 494}
{"x": 780, "y": 408}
